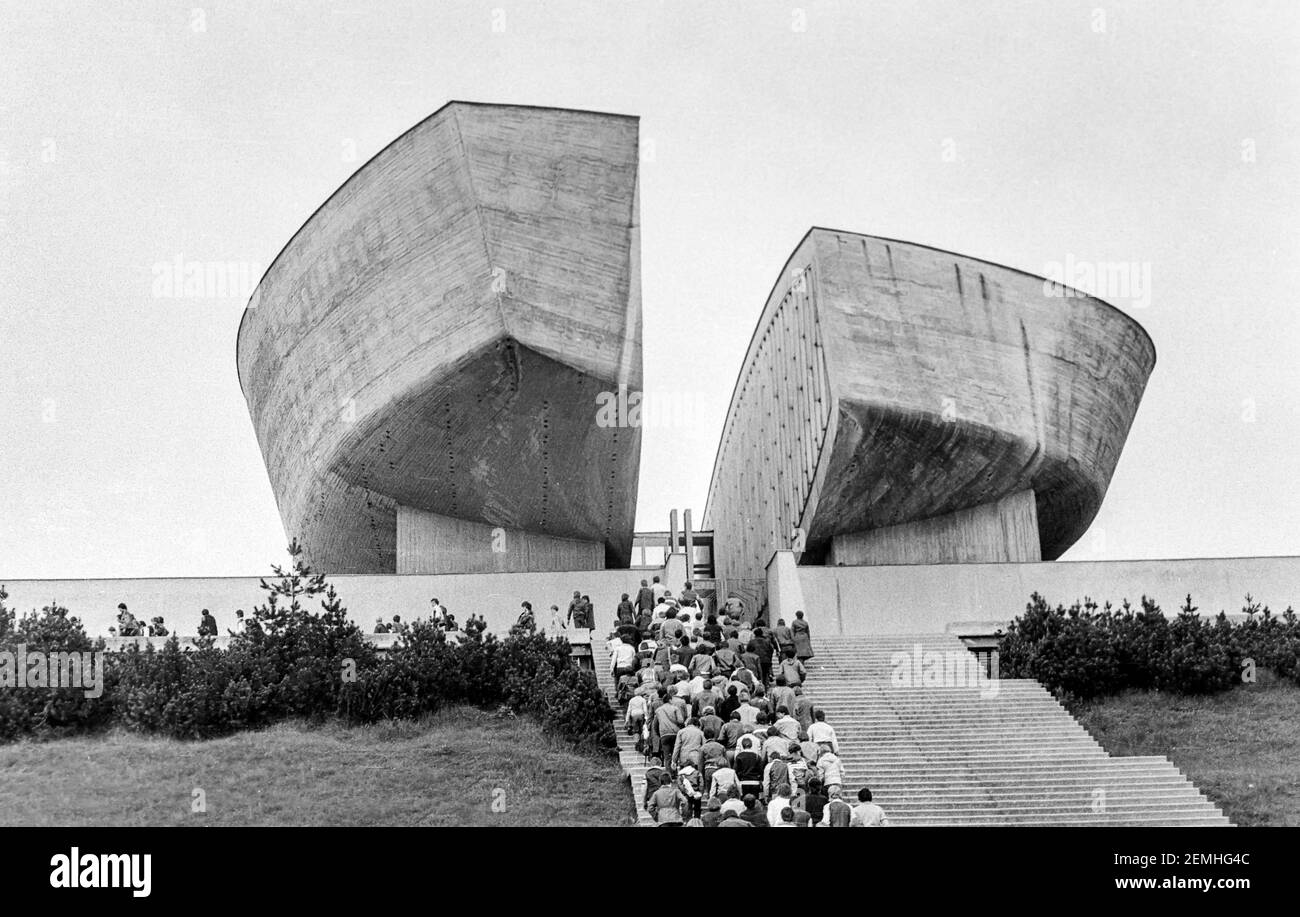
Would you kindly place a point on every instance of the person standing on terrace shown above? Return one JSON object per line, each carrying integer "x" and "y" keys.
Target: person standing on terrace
{"x": 645, "y": 598}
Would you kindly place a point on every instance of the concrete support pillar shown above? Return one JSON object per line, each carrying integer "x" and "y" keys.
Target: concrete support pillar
{"x": 672, "y": 532}
{"x": 430, "y": 543}
{"x": 1005, "y": 531}
{"x": 784, "y": 593}
{"x": 675, "y": 572}
{"x": 690, "y": 545}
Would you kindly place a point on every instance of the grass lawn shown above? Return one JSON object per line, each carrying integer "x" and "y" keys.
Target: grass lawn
{"x": 461, "y": 767}
{"x": 1241, "y": 747}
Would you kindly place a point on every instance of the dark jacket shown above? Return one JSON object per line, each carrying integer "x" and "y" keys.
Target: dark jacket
{"x": 654, "y": 778}
{"x": 731, "y": 733}
{"x": 702, "y": 700}
{"x": 727, "y": 706}
{"x": 645, "y": 598}
{"x": 714, "y": 755}
{"x": 669, "y": 719}
{"x": 749, "y": 767}
{"x": 815, "y": 803}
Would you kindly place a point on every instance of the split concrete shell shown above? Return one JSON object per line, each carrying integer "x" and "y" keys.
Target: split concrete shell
{"x": 423, "y": 362}
{"x": 899, "y": 404}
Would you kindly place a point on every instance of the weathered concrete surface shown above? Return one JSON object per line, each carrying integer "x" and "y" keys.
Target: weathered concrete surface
{"x": 429, "y": 543}
{"x": 1005, "y": 530}
{"x": 889, "y": 383}
{"x": 437, "y": 333}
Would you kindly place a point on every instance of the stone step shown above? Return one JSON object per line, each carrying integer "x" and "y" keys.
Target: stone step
{"x": 1137, "y": 796}
{"x": 1081, "y": 774}
{"x": 913, "y": 807}
{"x": 1057, "y": 752}
{"x": 1002, "y": 821}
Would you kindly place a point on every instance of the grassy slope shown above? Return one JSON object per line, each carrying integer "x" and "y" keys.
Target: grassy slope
{"x": 1241, "y": 748}
{"x": 443, "y": 771}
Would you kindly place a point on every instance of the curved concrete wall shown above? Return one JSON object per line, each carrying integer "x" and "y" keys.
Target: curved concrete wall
{"x": 772, "y": 442}
{"x": 952, "y": 383}
{"x": 437, "y": 333}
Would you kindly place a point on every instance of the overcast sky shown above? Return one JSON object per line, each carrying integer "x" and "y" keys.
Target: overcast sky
{"x": 1161, "y": 135}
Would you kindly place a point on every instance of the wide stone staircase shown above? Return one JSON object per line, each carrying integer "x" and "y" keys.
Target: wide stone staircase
{"x": 955, "y": 751}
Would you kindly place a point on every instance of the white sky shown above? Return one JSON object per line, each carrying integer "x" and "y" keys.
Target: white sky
{"x": 1023, "y": 133}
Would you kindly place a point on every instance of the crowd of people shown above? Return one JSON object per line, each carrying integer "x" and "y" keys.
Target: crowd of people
{"x": 715, "y": 699}
{"x": 129, "y": 626}
{"x": 718, "y": 707}
{"x": 442, "y": 619}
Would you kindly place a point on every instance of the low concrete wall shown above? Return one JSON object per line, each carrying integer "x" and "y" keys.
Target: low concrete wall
{"x": 495, "y": 596}
{"x": 967, "y": 597}
{"x": 434, "y": 544}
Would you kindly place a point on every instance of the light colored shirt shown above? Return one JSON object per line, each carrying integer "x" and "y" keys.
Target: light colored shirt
{"x": 868, "y": 815}
{"x": 824, "y": 733}
{"x": 621, "y": 655}
{"x": 788, "y": 726}
{"x": 775, "y": 743}
{"x": 831, "y": 770}
{"x": 774, "y": 810}
{"x": 635, "y": 707}
{"x": 723, "y": 779}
